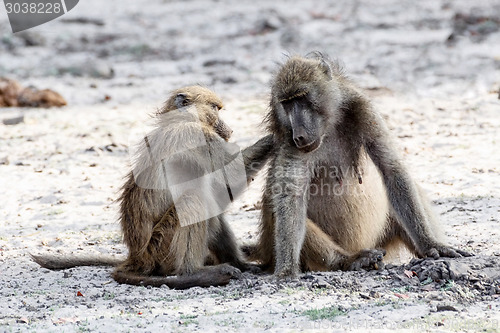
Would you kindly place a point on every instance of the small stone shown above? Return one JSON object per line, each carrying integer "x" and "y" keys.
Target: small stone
{"x": 441, "y": 308}
{"x": 457, "y": 270}
{"x": 13, "y": 121}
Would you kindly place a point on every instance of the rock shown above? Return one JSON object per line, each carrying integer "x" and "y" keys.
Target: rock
{"x": 441, "y": 308}
{"x": 84, "y": 20}
{"x": 13, "y": 121}
{"x": 31, "y": 38}
{"x": 95, "y": 69}
{"x": 320, "y": 282}
{"x": 457, "y": 270}
{"x": 268, "y": 24}
{"x": 31, "y": 97}
{"x": 12, "y": 94}
{"x": 9, "y": 91}
{"x": 219, "y": 62}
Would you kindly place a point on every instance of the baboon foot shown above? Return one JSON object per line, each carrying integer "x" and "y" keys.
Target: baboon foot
{"x": 251, "y": 268}
{"x": 286, "y": 273}
{"x": 446, "y": 251}
{"x": 228, "y": 270}
{"x": 367, "y": 259}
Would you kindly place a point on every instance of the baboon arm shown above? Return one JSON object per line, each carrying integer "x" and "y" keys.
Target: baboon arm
{"x": 256, "y": 156}
{"x": 222, "y": 243}
{"x": 288, "y": 195}
{"x": 401, "y": 190}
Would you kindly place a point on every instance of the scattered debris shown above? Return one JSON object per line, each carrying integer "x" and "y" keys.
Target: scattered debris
{"x": 476, "y": 27}
{"x": 12, "y": 94}
{"x": 9, "y": 91}
{"x": 441, "y": 308}
{"x": 94, "y": 69}
{"x": 84, "y": 20}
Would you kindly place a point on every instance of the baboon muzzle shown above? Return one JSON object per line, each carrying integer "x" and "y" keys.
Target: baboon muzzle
{"x": 301, "y": 122}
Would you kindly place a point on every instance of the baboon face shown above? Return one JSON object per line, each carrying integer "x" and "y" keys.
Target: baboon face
{"x": 205, "y": 103}
{"x": 299, "y": 103}
{"x": 304, "y": 123}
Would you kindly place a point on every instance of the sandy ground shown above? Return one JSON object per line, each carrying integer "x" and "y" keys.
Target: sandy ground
{"x": 434, "y": 75}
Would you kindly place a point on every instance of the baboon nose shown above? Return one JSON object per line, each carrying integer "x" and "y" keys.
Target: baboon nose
{"x": 300, "y": 137}
{"x": 299, "y": 141}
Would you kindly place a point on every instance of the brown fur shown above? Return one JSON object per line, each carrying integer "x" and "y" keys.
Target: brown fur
{"x": 336, "y": 185}
{"x": 161, "y": 250}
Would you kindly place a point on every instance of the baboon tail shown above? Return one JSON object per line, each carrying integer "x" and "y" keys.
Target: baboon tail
{"x": 51, "y": 261}
{"x": 199, "y": 279}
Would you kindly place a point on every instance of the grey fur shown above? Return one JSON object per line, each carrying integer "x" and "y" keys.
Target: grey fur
{"x": 340, "y": 204}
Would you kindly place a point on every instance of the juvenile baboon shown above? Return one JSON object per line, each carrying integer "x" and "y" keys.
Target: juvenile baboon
{"x": 337, "y": 193}
{"x": 172, "y": 202}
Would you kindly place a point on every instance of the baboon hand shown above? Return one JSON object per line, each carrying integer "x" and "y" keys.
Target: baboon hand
{"x": 446, "y": 251}
{"x": 367, "y": 259}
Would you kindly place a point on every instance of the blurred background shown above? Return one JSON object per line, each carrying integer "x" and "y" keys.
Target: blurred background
{"x": 118, "y": 52}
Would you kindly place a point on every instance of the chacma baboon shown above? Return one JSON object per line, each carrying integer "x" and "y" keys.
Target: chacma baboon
{"x": 172, "y": 203}
{"x": 337, "y": 193}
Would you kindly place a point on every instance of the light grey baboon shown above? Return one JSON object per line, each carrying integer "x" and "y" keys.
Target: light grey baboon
{"x": 171, "y": 205}
{"x": 337, "y": 192}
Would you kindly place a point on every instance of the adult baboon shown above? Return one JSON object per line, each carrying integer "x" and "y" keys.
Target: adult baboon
{"x": 172, "y": 202}
{"x": 336, "y": 189}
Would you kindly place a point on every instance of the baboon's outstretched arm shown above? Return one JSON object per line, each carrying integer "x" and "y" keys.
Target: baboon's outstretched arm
{"x": 256, "y": 156}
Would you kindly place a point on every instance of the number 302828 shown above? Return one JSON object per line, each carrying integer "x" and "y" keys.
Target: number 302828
{"x": 33, "y": 8}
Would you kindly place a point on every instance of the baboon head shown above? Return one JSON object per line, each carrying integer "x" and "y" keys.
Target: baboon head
{"x": 301, "y": 101}
{"x": 202, "y": 102}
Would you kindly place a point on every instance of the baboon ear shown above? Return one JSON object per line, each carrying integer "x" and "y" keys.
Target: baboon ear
{"x": 325, "y": 67}
{"x": 181, "y": 100}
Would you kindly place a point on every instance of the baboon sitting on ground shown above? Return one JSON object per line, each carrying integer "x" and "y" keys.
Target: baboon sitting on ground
{"x": 172, "y": 203}
{"x": 337, "y": 194}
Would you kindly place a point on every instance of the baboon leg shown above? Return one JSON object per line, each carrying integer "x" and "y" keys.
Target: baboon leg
{"x": 263, "y": 250}
{"x": 189, "y": 248}
{"x": 222, "y": 243}
{"x": 183, "y": 251}
{"x": 320, "y": 252}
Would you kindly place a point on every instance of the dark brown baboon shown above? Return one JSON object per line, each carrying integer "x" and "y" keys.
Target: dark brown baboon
{"x": 337, "y": 192}
{"x": 172, "y": 203}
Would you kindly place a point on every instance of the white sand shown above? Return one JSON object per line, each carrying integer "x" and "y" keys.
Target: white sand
{"x": 440, "y": 100}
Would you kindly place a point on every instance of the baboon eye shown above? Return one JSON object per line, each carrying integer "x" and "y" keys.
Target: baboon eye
{"x": 181, "y": 100}
{"x": 216, "y": 107}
